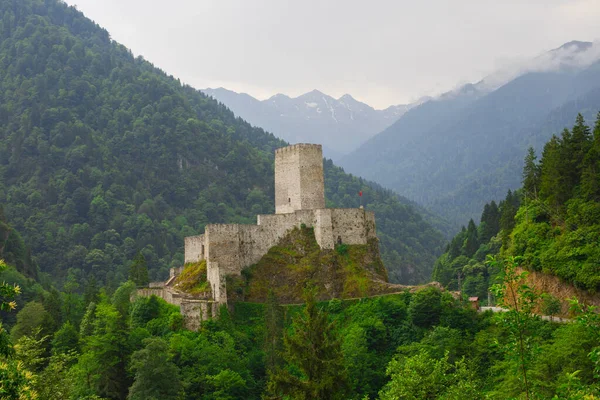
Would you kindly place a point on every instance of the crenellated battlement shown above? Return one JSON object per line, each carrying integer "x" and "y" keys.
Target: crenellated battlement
{"x": 299, "y": 147}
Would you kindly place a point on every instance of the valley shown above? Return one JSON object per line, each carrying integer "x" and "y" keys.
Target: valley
{"x": 163, "y": 242}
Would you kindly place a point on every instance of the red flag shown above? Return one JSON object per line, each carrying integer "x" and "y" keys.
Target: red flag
{"x": 360, "y": 193}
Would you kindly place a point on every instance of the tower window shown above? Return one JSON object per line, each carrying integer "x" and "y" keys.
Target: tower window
{"x": 289, "y": 200}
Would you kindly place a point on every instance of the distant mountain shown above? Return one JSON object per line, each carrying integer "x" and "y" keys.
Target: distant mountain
{"x": 455, "y": 153}
{"x": 340, "y": 125}
{"x": 102, "y": 156}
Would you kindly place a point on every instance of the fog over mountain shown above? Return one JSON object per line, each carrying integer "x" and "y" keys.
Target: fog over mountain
{"x": 455, "y": 152}
{"x": 340, "y": 125}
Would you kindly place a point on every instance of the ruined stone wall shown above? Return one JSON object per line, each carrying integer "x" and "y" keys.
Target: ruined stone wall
{"x": 164, "y": 293}
{"x": 323, "y": 227}
{"x": 196, "y": 311}
{"x": 299, "y": 183}
{"x": 221, "y": 251}
{"x": 352, "y": 225}
{"x": 276, "y": 226}
{"x": 194, "y": 249}
{"x": 229, "y": 248}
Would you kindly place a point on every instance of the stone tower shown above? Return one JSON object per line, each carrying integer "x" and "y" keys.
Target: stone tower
{"x": 299, "y": 181}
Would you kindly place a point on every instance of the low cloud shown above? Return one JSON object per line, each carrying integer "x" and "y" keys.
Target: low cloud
{"x": 574, "y": 55}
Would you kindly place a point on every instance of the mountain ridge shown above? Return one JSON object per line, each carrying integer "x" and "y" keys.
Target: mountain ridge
{"x": 103, "y": 155}
{"x": 340, "y": 125}
{"x": 456, "y": 152}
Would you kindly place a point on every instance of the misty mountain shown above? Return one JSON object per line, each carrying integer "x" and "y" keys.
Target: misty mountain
{"x": 340, "y": 125}
{"x": 104, "y": 156}
{"x": 456, "y": 152}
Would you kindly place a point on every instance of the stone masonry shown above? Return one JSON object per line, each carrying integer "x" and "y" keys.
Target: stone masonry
{"x": 299, "y": 200}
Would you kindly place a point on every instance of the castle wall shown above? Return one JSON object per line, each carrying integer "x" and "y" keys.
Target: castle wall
{"x": 228, "y": 248}
{"x": 194, "y": 249}
{"x": 275, "y": 226}
{"x": 352, "y": 225}
{"x": 196, "y": 311}
{"x": 323, "y": 227}
{"x": 299, "y": 183}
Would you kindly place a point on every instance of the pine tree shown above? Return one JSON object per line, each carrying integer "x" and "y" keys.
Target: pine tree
{"x": 550, "y": 176}
{"x": 313, "y": 352}
{"x": 471, "y": 243}
{"x": 490, "y": 222}
{"x": 590, "y": 176}
{"x": 91, "y": 294}
{"x": 138, "y": 271}
{"x": 156, "y": 376}
{"x": 581, "y": 141}
{"x": 508, "y": 210}
{"x": 273, "y": 332}
{"x": 455, "y": 246}
{"x": 531, "y": 174}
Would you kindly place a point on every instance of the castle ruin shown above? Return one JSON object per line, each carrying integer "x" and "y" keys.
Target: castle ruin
{"x": 299, "y": 200}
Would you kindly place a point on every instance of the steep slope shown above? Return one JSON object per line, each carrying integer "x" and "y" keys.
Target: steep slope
{"x": 551, "y": 224}
{"x": 103, "y": 155}
{"x": 13, "y": 250}
{"x": 297, "y": 261}
{"x": 454, "y": 153}
{"x": 340, "y": 125}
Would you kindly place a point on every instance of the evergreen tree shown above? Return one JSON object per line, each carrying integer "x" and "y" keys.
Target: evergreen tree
{"x": 508, "y": 210}
{"x": 102, "y": 367}
{"x": 531, "y": 174}
{"x": 551, "y": 179}
{"x": 590, "y": 176}
{"x": 490, "y": 222}
{"x": 315, "y": 368}
{"x": 66, "y": 339}
{"x": 138, "y": 270}
{"x": 471, "y": 243}
{"x": 91, "y": 293}
{"x": 273, "y": 332}
{"x": 581, "y": 141}
{"x": 156, "y": 376}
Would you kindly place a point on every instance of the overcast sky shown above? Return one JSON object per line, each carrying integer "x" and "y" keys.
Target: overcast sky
{"x": 382, "y": 52}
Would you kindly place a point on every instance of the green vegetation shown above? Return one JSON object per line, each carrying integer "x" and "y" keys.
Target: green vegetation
{"x": 315, "y": 351}
{"x": 106, "y": 163}
{"x": 297, "y": 261}
{"x": 409, "y": 345}
{"x": 552, "y": 224}
{"x": 102, "y": 156}
{"x": 138, "y": 271}
{"x": 192, "y": 279}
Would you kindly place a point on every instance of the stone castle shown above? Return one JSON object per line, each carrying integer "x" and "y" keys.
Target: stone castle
{"x": 299, "y": 200}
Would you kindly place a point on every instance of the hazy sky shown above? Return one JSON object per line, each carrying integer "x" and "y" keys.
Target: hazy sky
{"x": 380, "y": 51}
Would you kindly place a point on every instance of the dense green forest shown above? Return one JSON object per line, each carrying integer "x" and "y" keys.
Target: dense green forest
{"x": 421, "y": 345}
{"x": 106, "y": 163}
{"x": 552, "y": 223}
{"x": 103, "y": 155}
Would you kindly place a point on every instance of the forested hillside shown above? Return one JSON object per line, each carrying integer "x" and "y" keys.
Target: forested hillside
{"x": 103, "y": 155}
{"x": 552, "y": 223}
{"x": 455, "y": 153}
{"x": 422, "y": 345}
